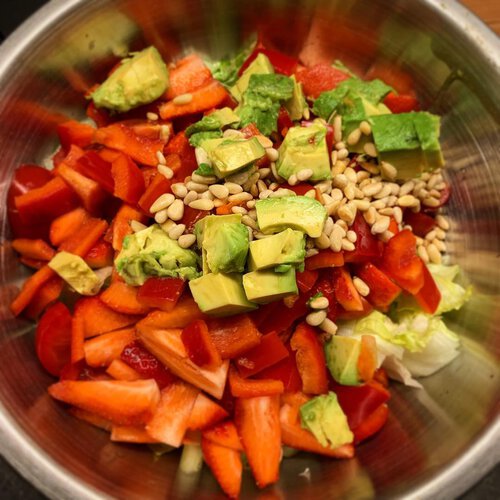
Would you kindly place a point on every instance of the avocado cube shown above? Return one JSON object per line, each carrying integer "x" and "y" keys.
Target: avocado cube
{"x": 297, "y": 103}
{"x": 295, "y": 212}
{"x": 267, "y": 286}
{"x": 305, "y": 147}
{"x": 259, "y": 66}
{"x": 287, "y": 247}
{"x": 398, "y": 143}
{"x": 427, "y": 126}
{"x": 229, "y": 156}
{"x": 342, "y": 355}
{"x": 220, "y": 294}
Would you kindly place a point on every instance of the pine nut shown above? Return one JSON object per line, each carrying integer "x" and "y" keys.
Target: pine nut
{"x": 264, "y": 141}
{"x": 239, "y": 210}
{"x": 161, "y": 216}
{"x": 362, "y": 205}
{"x": 196, "y": 186}
{"x": 406, "y": 188}
{"x": 352, "y": 236}
{"x": 398, "y": 214}
{"x": 248, "y": 221}
{"x": 370, "y": 149}
{"x": 161, "y": 158}
{"x": 219, "y": 191}
{"x": 322, "y": 242}
{"x": 442, "y": 222}
{"x": 219, "y": 203}
{"x": 176, "y": 210}
{"x": 233, "y": 188}
{"x": 182, "y": 99}
{"x": 347, "y": 245}
{"x": 370, "y": 216}
{"x": 186, "y": 240}
{"x": 388, "y": 171}
{"x": 337, "y": 128}
{"x": 203, "y": 179}
{"x": 430, "y": 235}
{"x": 431, "y": 202}
{"x": 434, "y": 254}
{"x": 328, "y": 226}
{"x": 350, "y": 173}
{"x": 328, "y": 326}
{"x": 407, "y": 200}
{"x": 264, "y": 172}
{"x": 304, "y": 174}
{"x": 343, "y": 225}
{"x": 336, "y": 239}
{"x": 362, "y": 288}
{"x": 385, "y": 191}
{"x": 239, "y": 197}
{"x": 162, "y": 202}
{"x": 342, "y": 154}
{"x": 422, "y": 253}
{"x": 386, "y": 236}
{"x": 191, "y": 196}
{"x": 354, "y": 137}
{"x": 372, "y": 189}
{"x": 152, "y": 116}
{"x": 365, "y": 128}
{"x": 137, "y": 226}
{"x": 369, "y": 167}
{"x": 202, "y": 205}
{"x": 319, "y": 303}
{"x": 201, "y": 156}
{"x": 379, "y": 204}
{"x": 347, "y": 212}
{"x": 179, "y": 189}
{"x": 292, "y": 180}
{"x": 340, "y": 181}
{"x": 176, "y": 231}
{"x": 272, "y": 154}
{"x": 381, "y": 225}
{"x": 362, "y": 175}
{"x": 340, "y": 145}
{"x": 167, "y": 225}
{"x": 265, "y": 194}
{"x": 349, "y": 191}
{"x": 338, "y": 167}
{"x": 316, "y": 318}
{"x": 167, "y": 172}
{"x": 386, "y": 211}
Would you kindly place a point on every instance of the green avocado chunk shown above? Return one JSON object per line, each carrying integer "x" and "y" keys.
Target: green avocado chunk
{"x": 138, "y": 80}
{"x": 297, "y": 103}
{"x": 305, "y": 147}
{"x": 267, "y": 286}
{"x": 151, "y": 252}
{"x": 228, "y": 156}
{"x": 323, "y": 417}
{"x": 285, "y": 248}
{"x": 427, "y": 126}
{"x": 220, "y": 294}
{"x": 224, "y": 242}
{"x": 76, "y": 272}
{"x": 214, "y": 121}
{"x": 259, "y": 66}
{"x": 342, "y": 355}
{"x": 295, "y": 212}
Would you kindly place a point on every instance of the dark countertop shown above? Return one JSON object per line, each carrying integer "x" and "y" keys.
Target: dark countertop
{"x": 12, "y": 485}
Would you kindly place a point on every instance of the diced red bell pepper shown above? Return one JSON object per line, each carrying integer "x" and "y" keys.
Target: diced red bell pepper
{"x": 299, "y": 189}
{"x": 325, "y": 286}
{"x": 128, "y": 180}
{"x": 383, "y": 291}
{"x": 358, "y": 402}
{"x": 282, "y": 63}
{"x": 224, "y": 434}
{"x": 367, "y": 246}
{"x": 429, "y": 296}
{"x": 250, "y": 130}
{"x": 367, "y": 359}
{"x": 123, "y": 299}
{"x": 401, "y": 103}
{"x": 345, "y": 291}
{"x": 45, "y": 203}
{"x": 179, "y": 145}
{"x": 93, "y": 166}
{"x": 325, "y": 258}
{"x": 420, "y": 223}
{"x": 53, "y": 338}
{"x": 371, "y": 425}
{"x": 100, "y": 351}
{"x": 343, "y": 314}
{"x": 401, "y": 263}
{"x": 269, "y": 351}
{"x": 77, "y": 336}
{"x": 99, "y": 115}
{"x": 284, "y": 121}
{"x": 100, "y": 255}
{"x": 86, "y": 236}
{"x": 282, "y": 317}
{"x": 71, "y": 158}
{"x": 46, "y": 295}
{"x": 200, "y": 346}
{"x": 146, "y": 364}
{"x": 249, "y": 388}
{"x": 192, "y": 216}
{"x": 33, "y": 249}
{"x": 66, "y": 225}
{"x": 161, "y": 293}
{"x": 233, "y": 335}
{"x": 159, "y": 185}
{"x": 205, "y": 413}
{"x": 306, "y": 280}
{"x": 73, "y": 132}
{"x": 310, "y": 359}
{"x": 188, "y": 74}
{"x": 319, "y": 78}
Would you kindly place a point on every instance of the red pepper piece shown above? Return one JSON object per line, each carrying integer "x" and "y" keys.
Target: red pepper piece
{"x": 224, "y": 434}
{"x": 429, "y": 296}
{"x": 53, "y": 338}
{"x": 205, "y": 413}
{"x": 310, "y": 359}
{"x": 383, "y": 291}
{"x": 146, "y": 364}
{"x": 87, "y": 235}
{"x": 284, "y": 121}
{"x": 248, "y": 388}
{"x": 100, "y": 255}
{"x": 99, "y": 115}
{"x": 179, "y": 145}
{"x": 233, "y": 335}
{"x": 371, "y": 425}
{"x": 200, "y": 346}
{"x": 161, "y": 293}
{"x": 282, "y": 63}
{"x": 306, "y": 280}
{"x": 319, "y": 78}
{"x": 66, "y": 225}
{"x": 401, "y": 263}
{"x": 345, "y": 291}
{"x": 299, "y": 189}
{"x": 46, "y": 295}
{"x": 33, "y": 249}
{"x": 93, "y": 166}
{"x": 282, "y": 317}
{"x": 123, "y": 298}
{"x": 367, "y": 247}
{"x": 192, "y": 216}
{"x": 401, "y": 103}
{"x": 159, "y": 185}
{"x": 348, "y": 315}
{"x": 128, "y": 180}
{"x": 323, "y": 259}
{"x": 420, "y": 223}
{"x": 269, "y": 351}
{"x": 188, "y": 74}
{"x": 358, "y": 402}
{"x": 77, "y": 133}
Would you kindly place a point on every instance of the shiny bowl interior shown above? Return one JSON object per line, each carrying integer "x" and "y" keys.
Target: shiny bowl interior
{"x": 439, "y": 440}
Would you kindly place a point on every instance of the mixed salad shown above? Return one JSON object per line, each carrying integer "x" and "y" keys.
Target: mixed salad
{"x": 234, "y": 257}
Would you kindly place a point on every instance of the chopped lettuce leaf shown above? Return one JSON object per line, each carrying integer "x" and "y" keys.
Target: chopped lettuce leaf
{"x": 226, "y": 70}
{"x": 197, "y": 138}
{"x": 206, "y": 124}
{"x": 453, "y": 296}
{"x": 396, "y": 370}
{"x": 205, "y": 169}
{"x": 328, "y": 102}
{"x": 262, "y": 99}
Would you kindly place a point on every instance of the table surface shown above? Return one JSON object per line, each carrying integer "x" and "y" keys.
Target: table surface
{"x": 12, "y": 485}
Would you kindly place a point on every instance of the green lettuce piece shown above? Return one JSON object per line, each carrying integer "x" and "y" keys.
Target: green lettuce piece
{"x": 151, "y": 252}
{"x": 205, "y": 169}
{"x": 206, "y": 124}
{"x": 226, "y": 70}
{"x": 262, "y": 100}
{"x": 197, "y": 138}
{"x": 453, "y": 295}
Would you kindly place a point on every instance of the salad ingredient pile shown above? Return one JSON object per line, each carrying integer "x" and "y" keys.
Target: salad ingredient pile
{"x": 232, "y": 258}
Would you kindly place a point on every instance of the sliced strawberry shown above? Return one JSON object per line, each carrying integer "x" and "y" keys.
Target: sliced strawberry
{"x": 225, "y": 465}
{"x": 205, "y": 413}
{"x": 126, "y": 403}
{"x": 257, "y": 421}
{"x": 170, "y": 420}
{"x": 101, "y": 350}
{"x": 224, "y": 434}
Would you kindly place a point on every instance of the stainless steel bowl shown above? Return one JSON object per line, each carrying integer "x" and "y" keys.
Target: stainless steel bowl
{"x": 438, "y": 441}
